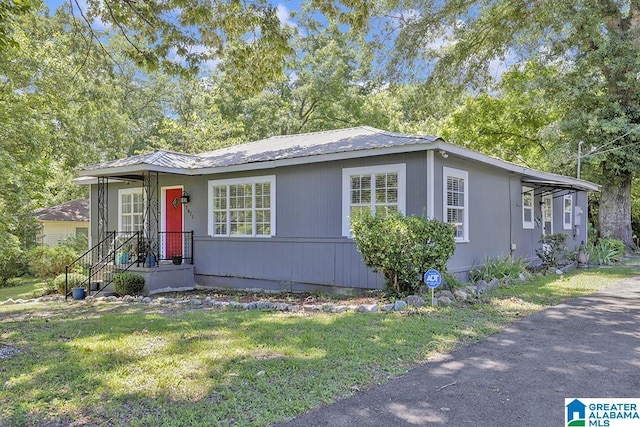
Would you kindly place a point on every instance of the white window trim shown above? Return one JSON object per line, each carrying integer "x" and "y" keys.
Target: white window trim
{"x": 544, "y": 218}
{"x": 134, "y": 190}
{"x": 399, "y": 168}
{"x": 271, "y": 179}
{"x": 464, "y": 175}
{"x": 567, "y": 225}
{"x": 528, "y": 225}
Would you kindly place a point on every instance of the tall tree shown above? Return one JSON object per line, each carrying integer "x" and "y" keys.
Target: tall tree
{"x": 595, "y": 45}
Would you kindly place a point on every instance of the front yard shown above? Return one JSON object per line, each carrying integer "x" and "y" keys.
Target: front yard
{"x": 173, "y": 365}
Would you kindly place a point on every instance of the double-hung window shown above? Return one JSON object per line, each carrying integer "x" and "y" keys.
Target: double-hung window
{"x": 455, "y": 204}
{"x": 378, "y": 189}
{"x": 567, "y": 212}
{"x": 130, "y": 209}
{"x": 242, "y": 207}
{"x": 527, "y": 208}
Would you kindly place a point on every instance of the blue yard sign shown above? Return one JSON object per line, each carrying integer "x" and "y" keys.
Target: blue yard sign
{"x": 432, "y": 278}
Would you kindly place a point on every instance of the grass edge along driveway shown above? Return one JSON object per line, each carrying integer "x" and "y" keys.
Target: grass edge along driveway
{"x": 152, "y": 365}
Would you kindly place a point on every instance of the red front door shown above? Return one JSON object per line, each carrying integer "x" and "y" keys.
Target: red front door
{"x": 173, "y": 223}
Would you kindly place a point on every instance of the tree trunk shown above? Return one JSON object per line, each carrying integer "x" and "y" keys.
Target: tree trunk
{"x": 615, "y": 207}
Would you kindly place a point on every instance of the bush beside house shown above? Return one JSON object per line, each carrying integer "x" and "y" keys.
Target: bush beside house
{"x": 402, "y": 248}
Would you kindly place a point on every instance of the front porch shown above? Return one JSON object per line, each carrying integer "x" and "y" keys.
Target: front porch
{"x": 138, "y": 226}
{"x": 165, "y": 277}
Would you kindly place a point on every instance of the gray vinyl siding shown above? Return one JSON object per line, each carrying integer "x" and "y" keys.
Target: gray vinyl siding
{"x": 308, "y": 248}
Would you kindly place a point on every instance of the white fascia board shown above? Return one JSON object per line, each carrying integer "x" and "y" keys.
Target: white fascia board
{"x": 492, "y": 161}
{"x": 132, "y": 169}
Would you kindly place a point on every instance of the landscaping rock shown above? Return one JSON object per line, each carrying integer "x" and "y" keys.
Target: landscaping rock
{"x": 195, "y": 301}
{"x": 147, "y": 300}
{"x": 372, "y": 308}
{"x": 293, "y": 308}
{"x": 444, "y": 293}
{"x": 481, "y": 286}
{"x": 444, "y": 300}
{"x": 10, "y": 301}
{"x": 112, "y": 298}
{"x": 251, "y": 305}
{"x": 339, "y": 309}
{"x": 327, "y": 307}
{"x": 310, "y": 307}
{"x": 265, "y": 305}
{"x": 460, "y": 295}
{"x": 493, "y": 284}
{"x": 387, "y": 307}
{"x": 128, "y": 298}
{"x": 281, "y": 306}
{"x": 415, "y": 300}
{"x": 399, "y": 305}
{"x": 559, "y": 272}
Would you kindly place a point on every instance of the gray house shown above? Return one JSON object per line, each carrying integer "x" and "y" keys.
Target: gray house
{"x": 274, "y": 214}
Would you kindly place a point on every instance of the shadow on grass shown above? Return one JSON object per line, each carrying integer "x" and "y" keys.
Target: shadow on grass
{"x": 115, "y": 364}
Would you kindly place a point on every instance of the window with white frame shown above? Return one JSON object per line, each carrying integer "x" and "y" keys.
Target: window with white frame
{"x": 379, "y": 189}
{"x": 130, "y": 209}
{"x": 242, "y": 207}
{"x": 527, "y": 208}
{"x": 456, "y": 201}
{"x": 567, "y": 211}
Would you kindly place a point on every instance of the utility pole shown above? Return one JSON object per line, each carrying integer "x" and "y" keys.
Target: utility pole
{"x": 579, "y": 157}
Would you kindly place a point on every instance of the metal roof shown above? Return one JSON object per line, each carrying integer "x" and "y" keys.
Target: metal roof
{"x": 286, "y": 150}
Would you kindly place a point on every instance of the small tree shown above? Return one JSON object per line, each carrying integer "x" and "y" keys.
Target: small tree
{"x": 402, "y": 248}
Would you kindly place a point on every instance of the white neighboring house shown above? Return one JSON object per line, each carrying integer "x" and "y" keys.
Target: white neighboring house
{"x": 61, "y": 221}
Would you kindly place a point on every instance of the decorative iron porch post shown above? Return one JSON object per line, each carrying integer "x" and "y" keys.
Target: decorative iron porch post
{"x": 152, "y": 212}
{"x": 103, "y": 214}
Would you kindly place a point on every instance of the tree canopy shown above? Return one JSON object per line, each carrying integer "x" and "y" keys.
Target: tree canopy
{"x": 587, "y": 59}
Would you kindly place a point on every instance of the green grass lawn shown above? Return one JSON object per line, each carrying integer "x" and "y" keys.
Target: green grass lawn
{"x": 154, "y": 365}
{"x": 28, "y": 287}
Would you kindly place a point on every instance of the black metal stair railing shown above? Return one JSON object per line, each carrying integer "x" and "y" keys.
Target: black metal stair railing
{"x": 116, "y": 253}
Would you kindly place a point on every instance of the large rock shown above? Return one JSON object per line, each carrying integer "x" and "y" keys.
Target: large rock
{"x": 399, "y": 305}
{"x": 444, "y": 300}
{"x": 415, "y": 300}
{"x": 493, "y": 284}
{"x": 372, "y": 308}
{"x": 387, "y": 307}
{"x": 265, "y": 305}
{"x": 481, "y": 286}
{"x": 460, "y": 295}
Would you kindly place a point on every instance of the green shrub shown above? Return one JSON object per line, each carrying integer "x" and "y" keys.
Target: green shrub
{"x": 501, "y": 268}
{"x": 606, "y": 251}
{"x": 12, "y": 263}
{"x": 128, "y": 283}
{"x": 402, "y": 248}
{"x": 74, "y": 280}
{"x": 553, "y": 249}
{"x": 450, "y": 281}
{"x": 44, "y": 261}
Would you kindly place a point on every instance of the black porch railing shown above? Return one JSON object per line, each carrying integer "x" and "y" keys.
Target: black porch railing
{"x": 174, "y": 245}
{"x": 116, "y": 253}
{"x": 119, "y": 251}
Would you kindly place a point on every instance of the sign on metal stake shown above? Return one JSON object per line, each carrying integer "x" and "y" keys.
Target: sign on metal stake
{"x": 432, "y": 279}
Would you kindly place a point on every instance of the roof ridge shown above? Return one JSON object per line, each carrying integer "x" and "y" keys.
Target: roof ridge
{"x": 320, "y": 132}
